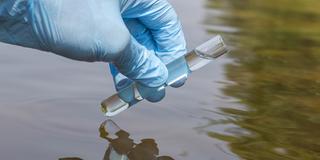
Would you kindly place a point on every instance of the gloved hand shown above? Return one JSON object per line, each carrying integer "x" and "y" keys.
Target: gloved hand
{"x": 94, "y": 30}
{"x": 159, "y": 31}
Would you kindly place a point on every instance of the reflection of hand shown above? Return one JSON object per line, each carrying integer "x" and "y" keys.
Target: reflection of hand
{"x": 94, "y": 31}
{"x": 147, "y": 149}
{"x": 124, "y": 146}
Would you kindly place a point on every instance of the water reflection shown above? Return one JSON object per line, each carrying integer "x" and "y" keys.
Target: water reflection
{"x": 122, "y": 147}
{"x": 276, "y": 71}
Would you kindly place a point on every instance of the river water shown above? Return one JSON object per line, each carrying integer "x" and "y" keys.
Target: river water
{"x": 259, "y": 102}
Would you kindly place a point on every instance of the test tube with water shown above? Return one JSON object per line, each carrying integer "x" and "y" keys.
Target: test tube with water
{"x": 196, "y": 59}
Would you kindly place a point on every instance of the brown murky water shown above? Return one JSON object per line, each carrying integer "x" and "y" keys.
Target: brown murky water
{"x": 275, "y": 78}
{"x": 260, "y": 102}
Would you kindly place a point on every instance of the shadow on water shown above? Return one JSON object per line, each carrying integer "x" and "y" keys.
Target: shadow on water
{"x": 277, "y": 82}
{"x": 122, "y": 147}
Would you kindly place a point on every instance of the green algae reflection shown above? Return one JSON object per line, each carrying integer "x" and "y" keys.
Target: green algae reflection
{"x": 276, "y": 71}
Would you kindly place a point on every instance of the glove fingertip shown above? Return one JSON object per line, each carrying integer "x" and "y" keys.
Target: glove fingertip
{"x": 157, "y": 96}
{"x": 179, "y": 83}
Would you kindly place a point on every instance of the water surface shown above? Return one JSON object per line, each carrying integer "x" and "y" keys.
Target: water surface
{"x": 259, "y": 102}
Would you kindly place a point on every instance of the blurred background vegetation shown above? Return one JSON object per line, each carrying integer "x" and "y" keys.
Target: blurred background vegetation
{"x": 277, "y": 77}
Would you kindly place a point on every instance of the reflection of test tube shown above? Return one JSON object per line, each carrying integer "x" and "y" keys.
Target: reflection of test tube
{"x": 119, "y": 142}
{"x": 109, "y": 129}
{"x": 122, "y": 147}
{"x": 196, "y": 59}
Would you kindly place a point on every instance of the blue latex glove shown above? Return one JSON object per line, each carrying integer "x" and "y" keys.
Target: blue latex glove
{"x": 94, "y": 30}
{"x": 159, "y": 31}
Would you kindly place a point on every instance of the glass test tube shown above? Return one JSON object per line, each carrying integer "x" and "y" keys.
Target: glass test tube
{"x": 196, "y": 59}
